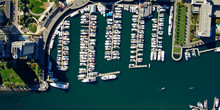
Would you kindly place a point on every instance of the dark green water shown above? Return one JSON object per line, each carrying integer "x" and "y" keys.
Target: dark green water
{"x": 135, "y": 89}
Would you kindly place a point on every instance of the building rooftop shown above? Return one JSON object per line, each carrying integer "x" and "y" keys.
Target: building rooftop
{"x": 205, "y": 20}
{"x": 164, "y": 0}
{"x": 216, "y": 2}
{"x": 195, "y": 9}
{"x": 22, "y": 48}
{"x": 197, "y": 2}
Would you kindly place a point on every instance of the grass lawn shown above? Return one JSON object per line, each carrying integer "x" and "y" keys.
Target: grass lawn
{"x": 37, "y": 6}
{"x": 180, "y": 25}
{"x": 37, "y": 17}
{"x": 35, "y": 67}
{"x": 32, "y": 27}
{"x": 10, "y": 78}
{"x": 177, "y": 49}
{"x": 22, "y": 75}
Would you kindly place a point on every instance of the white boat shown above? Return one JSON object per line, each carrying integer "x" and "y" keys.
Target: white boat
{"x": 163, "y": 88}
{"x": 151, "y": 55}
{"x": 81, "y": 76}
{"x": 74, "y": 14}
{"x": 155, "y": 55}
{"x": 91, "y": 79}
{"x": 60, "y": 85}
{"x": 217, "y": 50}
{"x": 199, "y": 104}
{"x": 216, "y": 102}
{"x": 159, "y": 56}
{"x": 162, "y": 55}
{"x": 108, "y": 77}
{"x": 186, "y": 56}
{"x": 51, "y": 44}
{"x": 205, "y": 104}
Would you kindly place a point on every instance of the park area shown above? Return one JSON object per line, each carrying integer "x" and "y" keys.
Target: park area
{"x": 180, "y": 29}
{"x": 37, "y": 6}
{"x": 26, "y": 74}
{"x": 32, "y": 27}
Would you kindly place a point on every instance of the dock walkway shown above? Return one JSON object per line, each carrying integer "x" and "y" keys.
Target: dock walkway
{"x": 103, "y": 74}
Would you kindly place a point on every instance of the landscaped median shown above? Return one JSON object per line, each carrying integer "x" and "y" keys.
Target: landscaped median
{"x": 180, "y": 30}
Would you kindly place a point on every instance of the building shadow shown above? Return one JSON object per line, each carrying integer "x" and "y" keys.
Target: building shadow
{"x": 210, "y": 41}
{"x": 23, "y": 70}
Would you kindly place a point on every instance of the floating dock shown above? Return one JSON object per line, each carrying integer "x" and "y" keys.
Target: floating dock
{"x": 103, "y": 74}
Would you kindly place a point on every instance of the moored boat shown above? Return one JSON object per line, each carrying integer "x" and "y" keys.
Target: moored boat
{"x": 91, "y": 79}
{"x": 108, "y": 77}
{"x": 60, "y": 85}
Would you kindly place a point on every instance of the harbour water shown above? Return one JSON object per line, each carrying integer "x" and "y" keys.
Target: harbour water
{"x": 134, "y": 89}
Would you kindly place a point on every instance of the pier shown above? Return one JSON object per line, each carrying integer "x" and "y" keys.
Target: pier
{"x": 110, "y": 73}
{"x": 194, "y": 49}
{"x": 202, "y": 51}
{"x": 103, "y": 74}
{"x": 138, "y": 41}
{"x": 137, "y": 66}
{"x": 207, "y": 50}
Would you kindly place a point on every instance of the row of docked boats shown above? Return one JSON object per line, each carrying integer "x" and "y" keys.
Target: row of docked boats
{"x": 101, "y": 9}
{"x": 62, "y": 36}
{"x": 63, "y": 47}
{"x": 131, "y": 8}
{"x": 87, "y": 45}
{"x": 158, "y": 55}
{"x": 157, "y": 32}
{"x": 170, "y": 21}
{"x": 188, "y": 54}
{"x": 113, "y": 34}
{"x": 137, "y": 39}
{"x": 204, "y": 105}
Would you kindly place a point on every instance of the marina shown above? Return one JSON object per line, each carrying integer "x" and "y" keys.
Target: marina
{"x": 135, "y": 88}
{"x": 113, "y": 34}
{"x": 204, "y": 106}
{"x": 158, "y": 31}
{"x": 88, "y": 42}
{"x": 137, "y": 38}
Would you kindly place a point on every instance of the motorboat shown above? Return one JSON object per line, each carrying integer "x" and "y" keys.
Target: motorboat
{"x": 108, "y": 77}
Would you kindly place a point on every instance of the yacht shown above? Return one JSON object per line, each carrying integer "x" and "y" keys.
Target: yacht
{"x": 217, "y": 50}
{"x": 151, "y": 55}
{"x": 193, "y": 53}
{"x": 199, "y": 104}
{"x": 60, "y": 85}
{"x": 81, "y": 76}
{"x": 91, "y": 79}
{"x": 162, "y": 55}
{"x": 216, "y": 102}
{"x": 155, "y": 55}
{"x": 108, "y": 77}
{"x": 205, "y": 104}
{"x": 186, "y": 56}
{"x": 159, "y": 56}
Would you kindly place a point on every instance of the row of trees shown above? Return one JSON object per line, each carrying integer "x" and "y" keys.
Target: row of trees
{"x": 181, "y": 24}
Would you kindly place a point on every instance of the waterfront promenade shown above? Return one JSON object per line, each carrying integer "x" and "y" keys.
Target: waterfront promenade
{"x": 74, "y": 5}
